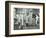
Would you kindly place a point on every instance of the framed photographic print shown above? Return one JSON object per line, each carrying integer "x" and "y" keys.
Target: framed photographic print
{"x": 24, "y": 18}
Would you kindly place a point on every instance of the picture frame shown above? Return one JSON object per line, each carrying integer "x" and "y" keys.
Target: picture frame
{"x": 18, "y": 15}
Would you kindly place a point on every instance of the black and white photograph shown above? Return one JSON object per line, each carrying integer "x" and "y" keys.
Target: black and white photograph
{"x": 26, "y": 18}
